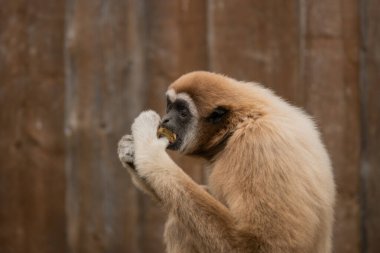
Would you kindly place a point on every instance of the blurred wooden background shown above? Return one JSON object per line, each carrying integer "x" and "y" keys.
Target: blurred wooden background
{"x": 74, "y": 74}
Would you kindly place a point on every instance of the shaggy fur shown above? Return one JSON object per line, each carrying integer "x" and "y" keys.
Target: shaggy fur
{"x": 271, "y": 186}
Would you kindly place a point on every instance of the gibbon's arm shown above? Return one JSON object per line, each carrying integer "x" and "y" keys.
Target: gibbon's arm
{"x": 208, "y": 220}
{"x": 126, "y": 155}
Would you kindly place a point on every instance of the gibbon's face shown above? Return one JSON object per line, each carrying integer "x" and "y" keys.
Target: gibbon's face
{"x": 194, "y": 131}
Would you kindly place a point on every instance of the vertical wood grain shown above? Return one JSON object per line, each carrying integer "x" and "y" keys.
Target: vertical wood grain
{"x": 332, "y": 97}
{"x": 32, "y": 179}
{"x": 370, "y": 82}
{"x": 257, "y": 41}
{"x": 105, "y": 84}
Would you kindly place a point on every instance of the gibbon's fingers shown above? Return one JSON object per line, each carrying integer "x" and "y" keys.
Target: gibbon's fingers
{"x": 126, "y": 150}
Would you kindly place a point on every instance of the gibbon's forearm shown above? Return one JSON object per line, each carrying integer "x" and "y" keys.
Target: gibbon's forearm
{"x": 206, "y": 218}
{"x": 139, "y": 182}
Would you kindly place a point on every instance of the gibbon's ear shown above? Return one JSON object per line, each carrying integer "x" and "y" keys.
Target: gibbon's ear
{"x": 217, "y": 115}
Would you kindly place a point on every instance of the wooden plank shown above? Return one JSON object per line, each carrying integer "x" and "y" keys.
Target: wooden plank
{"x": 32, "y": 182}
{"x": 105, "y": 84}
{"x": 332, "y": 97}
{"x": 371, "y": 123}
{"x": 258, "y": 41}
{"x": 175, "y": 44}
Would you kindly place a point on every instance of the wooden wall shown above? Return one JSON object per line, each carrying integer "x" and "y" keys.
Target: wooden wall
{"x": 75, "y": 73}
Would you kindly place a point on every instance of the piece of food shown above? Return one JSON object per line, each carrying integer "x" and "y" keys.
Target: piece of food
{"x": 164, "y": 132}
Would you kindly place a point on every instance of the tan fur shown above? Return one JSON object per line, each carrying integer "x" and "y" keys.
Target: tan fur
{"x": 271, "y": 185}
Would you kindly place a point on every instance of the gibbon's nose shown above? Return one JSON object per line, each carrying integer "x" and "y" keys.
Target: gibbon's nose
{"x": 167, "y": 122}
{"x": 167, "y": 119}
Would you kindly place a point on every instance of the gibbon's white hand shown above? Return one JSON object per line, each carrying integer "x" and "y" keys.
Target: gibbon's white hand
{"x": 148, "y": 147}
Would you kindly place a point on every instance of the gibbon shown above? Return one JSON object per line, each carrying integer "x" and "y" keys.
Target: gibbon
{"x": 270, "y": 188}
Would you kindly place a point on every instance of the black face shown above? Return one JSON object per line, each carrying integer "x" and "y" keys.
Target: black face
{"x": 177, "y": 119}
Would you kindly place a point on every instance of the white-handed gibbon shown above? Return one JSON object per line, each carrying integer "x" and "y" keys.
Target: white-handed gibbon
{"x": 271, "y": 186}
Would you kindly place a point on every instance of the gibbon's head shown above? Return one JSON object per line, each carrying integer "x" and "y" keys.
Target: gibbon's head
{"x": 203, "y": 110}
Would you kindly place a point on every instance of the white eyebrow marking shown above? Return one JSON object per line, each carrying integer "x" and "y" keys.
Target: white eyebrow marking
{"x": 187, "y": 98}
{"x": 171, "y": 95}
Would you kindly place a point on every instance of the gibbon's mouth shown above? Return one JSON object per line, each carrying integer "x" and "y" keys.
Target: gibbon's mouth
{"x": 173, "y": 138}
{"x": 176, "y": 143}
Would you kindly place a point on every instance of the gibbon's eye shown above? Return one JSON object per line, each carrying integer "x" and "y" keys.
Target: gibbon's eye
{"x": 183, "y": 111}
{"x": 217, "y": 115}
{"x": 181, "y": 108}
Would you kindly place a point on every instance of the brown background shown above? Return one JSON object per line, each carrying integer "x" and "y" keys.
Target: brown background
{"x": 74, "y": 74}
